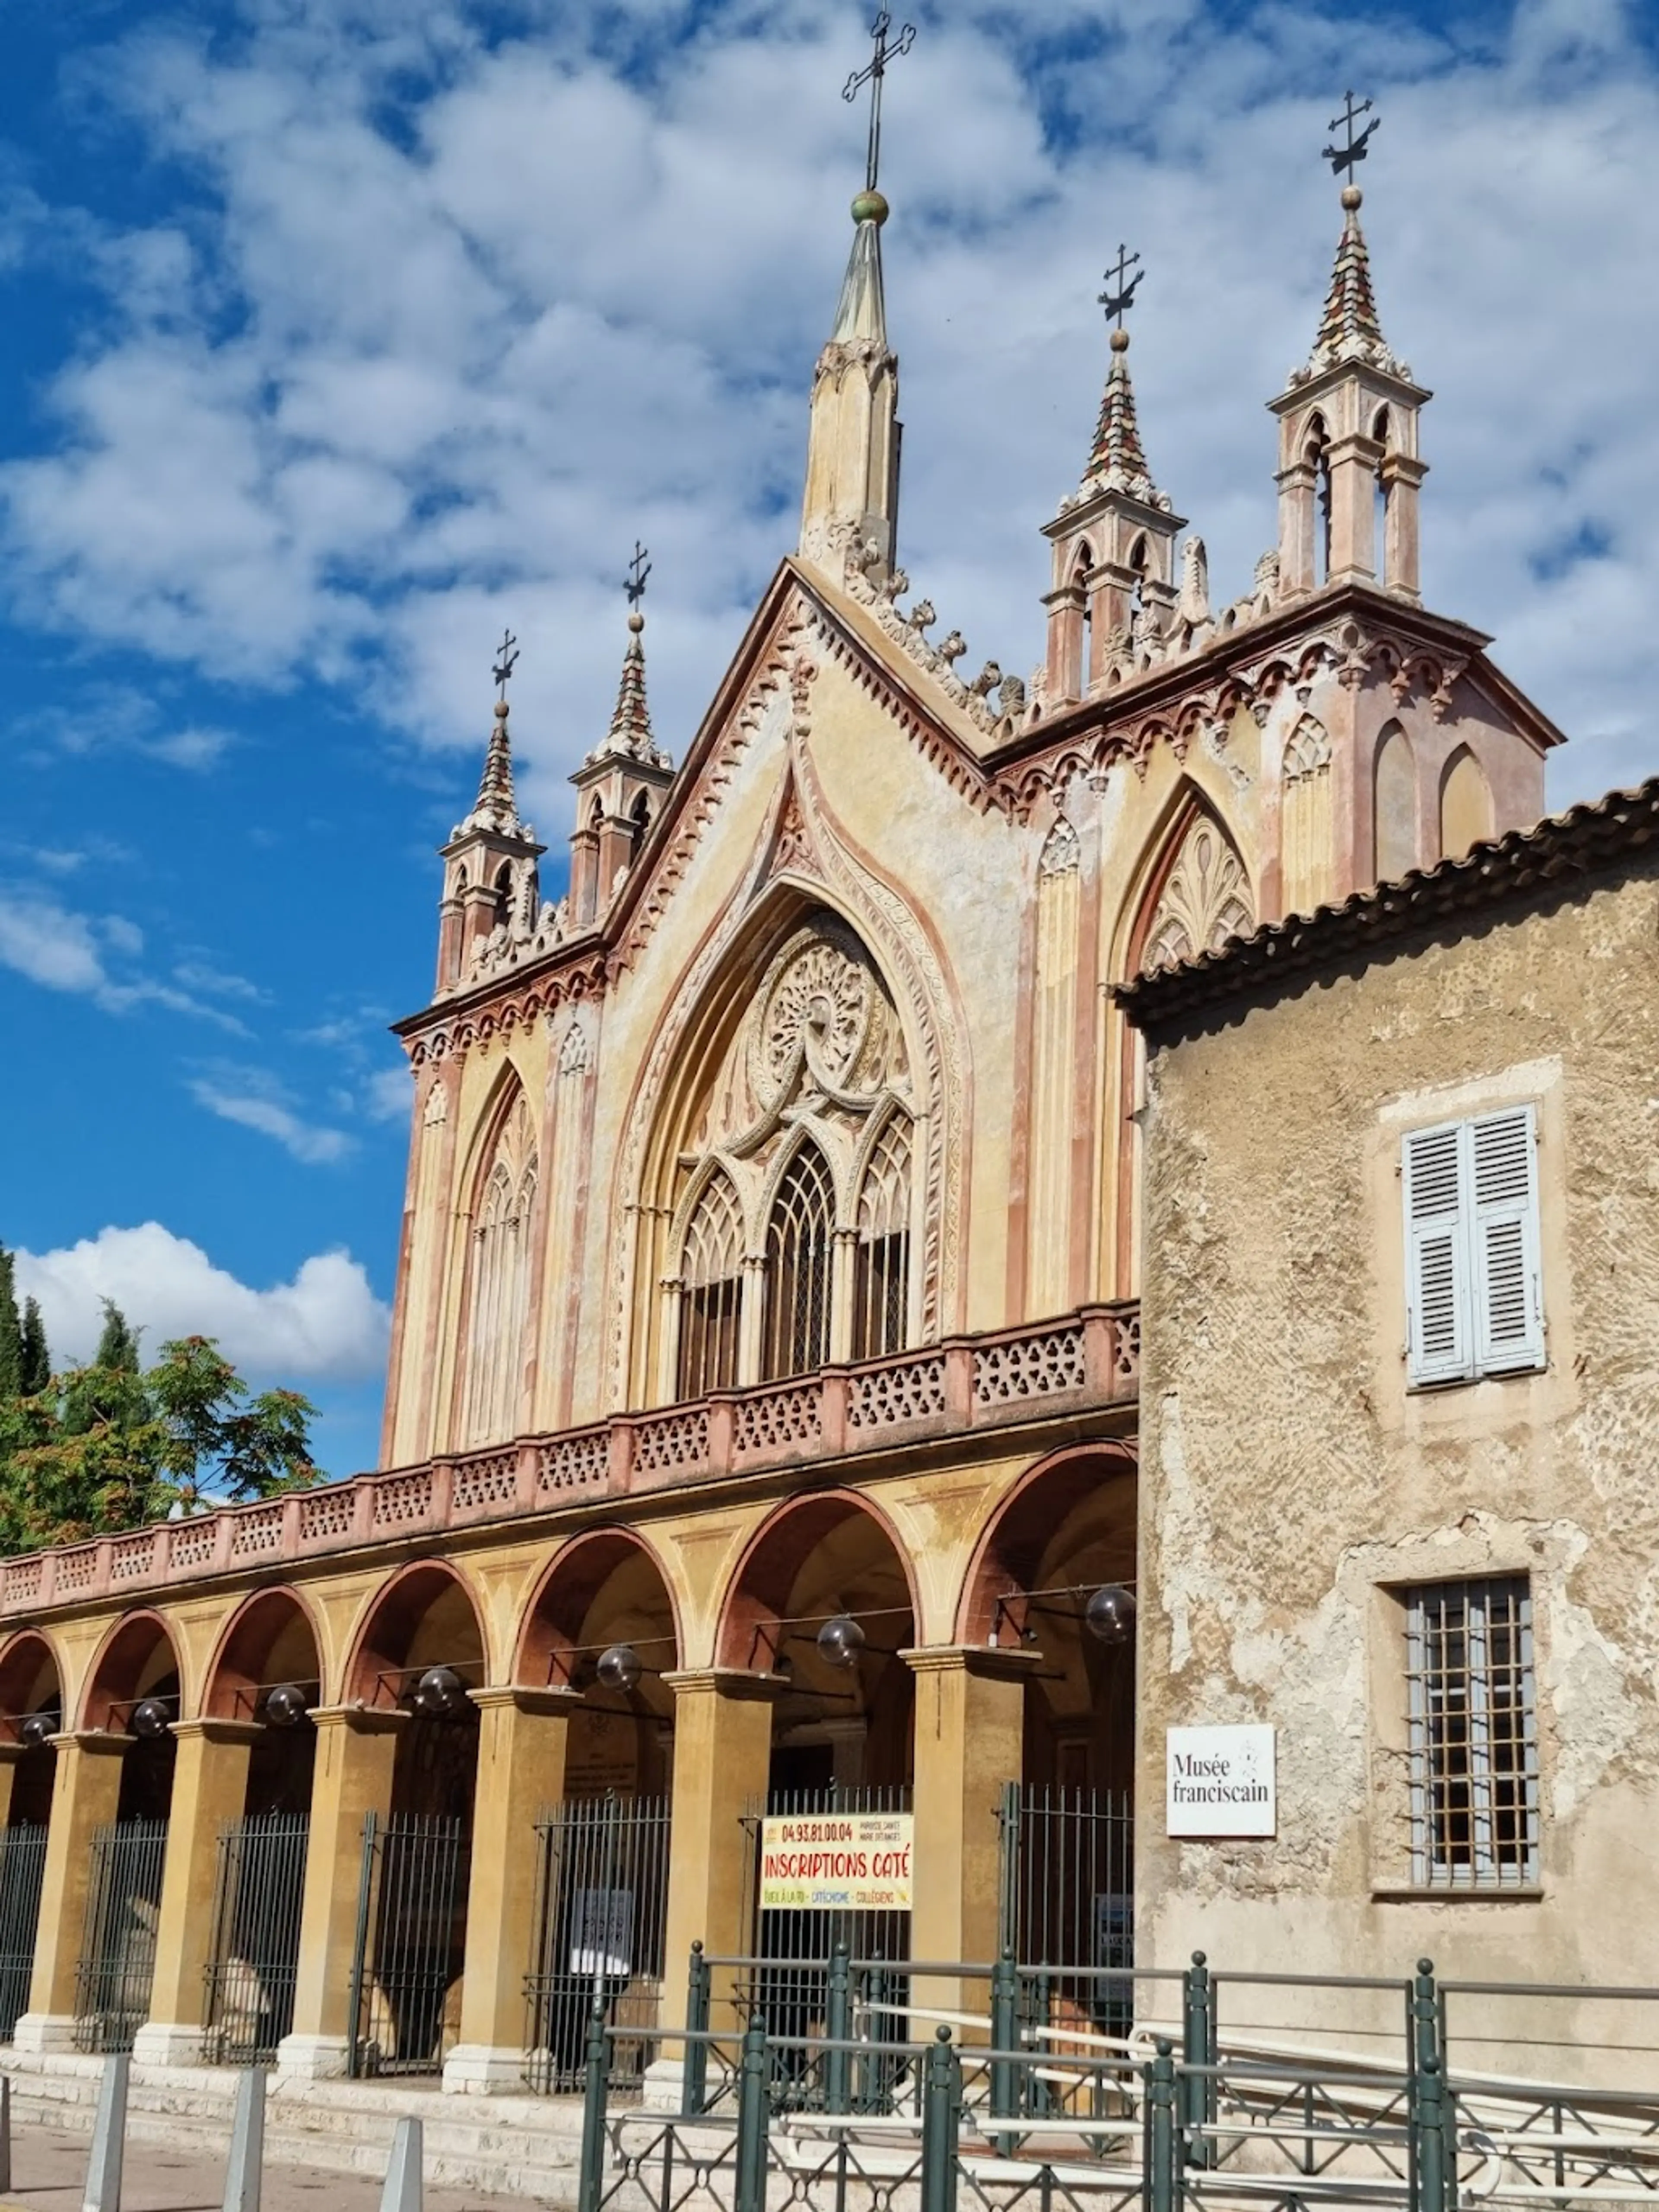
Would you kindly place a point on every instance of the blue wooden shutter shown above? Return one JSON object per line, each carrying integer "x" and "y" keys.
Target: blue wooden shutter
{"x": 1509, "y": 1315}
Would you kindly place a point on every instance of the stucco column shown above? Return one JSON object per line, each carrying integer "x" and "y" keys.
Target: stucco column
{"x": 722, "y": 1758}
{"x": 355, "y": 1748}
{"x": 209, "y": 1787}
{"x": 85, "y": 1792}
{"x": 969, "y": 1739}
{"x": 10, "y": 1755}
{"x": 522, "y": 1739}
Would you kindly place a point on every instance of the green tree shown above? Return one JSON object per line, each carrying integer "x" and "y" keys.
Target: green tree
{"x": 36, "y": 1361}
{"x": 11, "y": 1330}
{"x": 118, "y": 1345}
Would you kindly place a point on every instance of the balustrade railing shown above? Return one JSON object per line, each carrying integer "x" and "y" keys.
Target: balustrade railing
{"x": 1090, "y": 1358}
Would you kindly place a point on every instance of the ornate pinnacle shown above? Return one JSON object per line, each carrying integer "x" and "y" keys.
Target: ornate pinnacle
{"x": 1349, "y": 329}
{"x": 495, "y": 808}
{"x": 630, "y": 731}
{"x": 1117, "y": 457}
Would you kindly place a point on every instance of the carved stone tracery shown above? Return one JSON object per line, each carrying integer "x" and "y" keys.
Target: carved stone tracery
{"x": 1206, "y": 900}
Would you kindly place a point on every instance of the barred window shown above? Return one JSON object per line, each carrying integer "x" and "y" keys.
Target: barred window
{"x": 798, "y": 1260}
{"x": 1474, "y": 1735}
{"x": 881, "y": 1279}
{"x": 711, "y": 1302}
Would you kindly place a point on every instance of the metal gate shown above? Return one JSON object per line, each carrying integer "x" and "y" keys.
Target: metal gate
{"x": 1068, "y": 1900}
{"x": 788, "y": 1979}
{"x": 412, "y": 1943}
{"x": 22, "y": 1863}
{"x": 254, "y": 1962}
{"x": 601, "y": 1910}
{"x": 117, "y": 1964}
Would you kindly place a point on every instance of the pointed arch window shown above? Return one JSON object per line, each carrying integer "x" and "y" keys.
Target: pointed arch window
{"x": 500, "y": 1286}
{"x": 712, "y": 1299}
{"x": 881, "y": 1257}
{"x": 799, "y": 1255}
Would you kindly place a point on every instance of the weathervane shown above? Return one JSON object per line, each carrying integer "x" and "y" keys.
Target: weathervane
{"x": 873, "y": 77}
{"x": 507, "y": 656}
{"x": 638, "y": 569}
{"x": 1347, "y": 157}
{"x": 1116, "y": 302}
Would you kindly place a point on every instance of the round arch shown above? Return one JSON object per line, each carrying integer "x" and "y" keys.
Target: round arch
{"x": 608, "y": 1587}
{"x": 403, "y": 1630}
{"x": 138, "y": 1658}
{"x": 270, "y": 1639}
{"x": 31, "y": 1681}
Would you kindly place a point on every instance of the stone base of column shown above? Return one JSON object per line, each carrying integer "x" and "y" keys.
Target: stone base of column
{"x": 664, "y": 2088}
{"x": 44, "y": 2031}
{"x": 313, "y": 2058}
{"x": 163, "y": 2043}
{"x": 481, "y": 2069}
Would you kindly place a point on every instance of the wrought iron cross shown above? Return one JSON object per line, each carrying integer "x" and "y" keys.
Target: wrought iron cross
{"x": 1347, "y": 157}
{"x": 873, "y": 77}
{"x": 638, "y": 569}
{"x": 1116, "y": 302}
{"x": 507, "y": 656}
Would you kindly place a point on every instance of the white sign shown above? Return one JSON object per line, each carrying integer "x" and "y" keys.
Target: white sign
{"x": 602, "y": 1934}
{"x": 837, "y": 1862}
{"x": 1220, "y": 1782}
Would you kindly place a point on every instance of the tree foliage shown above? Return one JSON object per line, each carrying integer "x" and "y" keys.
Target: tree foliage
{"x": 113, "y": 1444}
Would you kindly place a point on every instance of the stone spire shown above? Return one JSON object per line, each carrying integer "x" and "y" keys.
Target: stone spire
{"x": 1349, "y": 329}
{"x": 1117, "y": 461}
{"x": 630, "y": 733}
{"x": 490, "y": 886}
{"x": 851, "y": 503}
{"x": 621, "y": 785}
{"x": 495, "y": 808}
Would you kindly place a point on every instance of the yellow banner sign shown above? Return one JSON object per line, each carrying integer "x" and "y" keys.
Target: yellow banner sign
{"x": 837, "y": 1862}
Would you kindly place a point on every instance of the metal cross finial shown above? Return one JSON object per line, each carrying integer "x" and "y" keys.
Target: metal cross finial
{"x": 873, "y": 77}
{"x": 507, "y": 656}
{"x": 1347, "y": 157}
{"x": 638, "y": 569}
{"x": 1116, "y": 302}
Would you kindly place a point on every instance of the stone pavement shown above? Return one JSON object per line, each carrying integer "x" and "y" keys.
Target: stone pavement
{"x": 49, "y": 2171}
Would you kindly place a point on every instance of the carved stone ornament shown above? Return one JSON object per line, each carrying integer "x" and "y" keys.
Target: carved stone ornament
{"x": 817, "y": 1010}
{"x": 1204, "y": 900}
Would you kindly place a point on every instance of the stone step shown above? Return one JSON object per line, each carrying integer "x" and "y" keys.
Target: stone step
{"x": 508, "y": 2145}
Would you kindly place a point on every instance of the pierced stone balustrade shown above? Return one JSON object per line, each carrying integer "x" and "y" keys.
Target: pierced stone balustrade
{"x": 1085, "y": 1359}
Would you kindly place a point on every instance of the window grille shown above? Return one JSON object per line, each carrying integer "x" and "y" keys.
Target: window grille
{"x": 712, "y": 1271}
{"x": 881, "y": 1280}
{"x": 798, "y": 1260}
{"x": 1474, "y": 1735}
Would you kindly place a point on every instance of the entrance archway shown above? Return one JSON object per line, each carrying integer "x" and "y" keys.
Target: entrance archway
{"x": 1054, "y": 1576}
{"x": 420, "y": 1653}
{"x": 31, "y": 1714}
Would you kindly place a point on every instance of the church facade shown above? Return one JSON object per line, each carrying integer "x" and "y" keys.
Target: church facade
{"x": 762, "y": 1418}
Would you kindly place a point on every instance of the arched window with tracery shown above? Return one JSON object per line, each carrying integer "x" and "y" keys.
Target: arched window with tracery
{"x": 799, "y": 1250}
{"x": 499, "y": 1297}
{"x": 881, "y": 1257}
{"x": 711, "y": 1306}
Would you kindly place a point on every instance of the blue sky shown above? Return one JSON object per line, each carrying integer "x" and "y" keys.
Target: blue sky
{"x": 334, "y": 334}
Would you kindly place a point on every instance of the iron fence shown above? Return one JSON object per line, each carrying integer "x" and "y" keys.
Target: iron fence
{"x": 117, "y": 1964}
{"x": 22, "y": 1864}
{"x": 258, "y": 1888}
{"x": 1068, "y": 1902}
{"x": 410, "y": 1946}
{"x": 601, "y": 1915}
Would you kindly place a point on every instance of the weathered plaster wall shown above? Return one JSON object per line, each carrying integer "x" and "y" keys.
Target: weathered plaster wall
{"x": 1289, "y": 1477}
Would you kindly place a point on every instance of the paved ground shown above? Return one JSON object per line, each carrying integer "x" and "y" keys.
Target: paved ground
{"x": 49, "y": 2172}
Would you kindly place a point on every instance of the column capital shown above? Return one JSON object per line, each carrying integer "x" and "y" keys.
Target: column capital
{"x": 96, "y": 1741}
{"x": 549, "y": 1701}
{"x": 736, "y": 1683}
{"x": 211, "y": 1728}
{"x": 359, "y": 1719}
{"x": 990, "y": 1661}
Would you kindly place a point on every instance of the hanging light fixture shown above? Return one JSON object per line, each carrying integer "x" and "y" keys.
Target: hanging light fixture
{"x": 619, "y": 1667}
{"x": 439, "y": 1692}
{"x": 1110, "y": 1615}
{"x": 286, "y": 1705}
{"x": 36, "y": 1729}
{"x": 839, "y": 1641}
{"x": 150, "y": 1719}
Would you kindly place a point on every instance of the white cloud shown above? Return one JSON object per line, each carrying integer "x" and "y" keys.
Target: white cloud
{"x": 64, "y": 951}
{"x": 401, "y": 379}
{"x": 323, "y": 1325}
{"x": 253, "y": 1102}
{"x": 387, "y": 1095}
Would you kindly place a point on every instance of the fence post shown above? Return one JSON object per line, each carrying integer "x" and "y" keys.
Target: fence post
{"x": 5, "y": 2134}
{"x": 591, "y": 2185}
{"x": 1429, "y": 2136}
{"x": 1198, "y": 2102}
{"x": 695, "y": 2074}
{"x": 941, "y": 2107}
{"x": 103, "y": 2189}
{"x": 838, "y": 2028}
{"x": 401, "y": 2190}
{"x": 1163, "y": 2157}
{"x": 1005, "y": 2038}
{"x": 753, "y": 2114}
{"x": 248, "y": 2142}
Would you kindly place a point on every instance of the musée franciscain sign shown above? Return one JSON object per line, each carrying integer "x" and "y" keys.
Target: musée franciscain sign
{"x": 1220, "y": 1782}
{"x": 836, "y": 1862}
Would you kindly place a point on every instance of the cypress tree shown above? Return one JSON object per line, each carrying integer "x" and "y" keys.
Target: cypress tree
{"x": 117, "y": 1346}
{"x": 36, "y": 1361}
{"x": 11, "y": 1332}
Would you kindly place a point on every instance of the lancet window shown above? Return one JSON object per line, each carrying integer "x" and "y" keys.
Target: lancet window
{"x": 500, "y": 1284}
{"x": 793, "y": 1239}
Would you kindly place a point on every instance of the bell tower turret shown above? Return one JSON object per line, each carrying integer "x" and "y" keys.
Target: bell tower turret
{"x": 620, "y": 786}
{"x": 490, "y": 879}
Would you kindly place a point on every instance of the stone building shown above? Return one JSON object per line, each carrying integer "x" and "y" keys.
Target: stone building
{"x": 763, "y": 1404}
{"x": 1402, "y": 1300}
